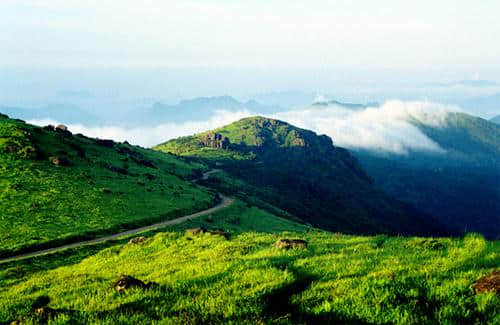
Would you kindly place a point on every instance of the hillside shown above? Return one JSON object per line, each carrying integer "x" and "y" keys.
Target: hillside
{"x": 241, "y": 277}
{"x": 495, "y": 119}
{"x": 56, "y": 187}
{"x": 461, "y": 187}
{"x": 267, "y": 161}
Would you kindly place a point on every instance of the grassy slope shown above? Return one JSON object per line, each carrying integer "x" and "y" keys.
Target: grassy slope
{"x": 303, "y": 174}
{"x": 244, "y": 279}
{"x": 102, "y": 190}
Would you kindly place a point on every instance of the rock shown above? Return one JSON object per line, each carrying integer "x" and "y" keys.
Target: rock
{"x": 137, "y": 240}
{"x": 219, "y": 232}
{"x": 215, "y": 140}
{"x": 290, "y": 243}
{"x": 490, "y": 282}
{"x": 126, "y": 281}
{"x": 196, "y": 231}
{"x": 202, "y": 230}
{"x": 60, "y": 161}
{"x": 61, "y": 127}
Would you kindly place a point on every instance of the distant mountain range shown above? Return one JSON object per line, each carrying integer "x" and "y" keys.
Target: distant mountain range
{"x": 197, "y": 109}
{"x": 345, "y": 105}
{"x": 496, "y": 119}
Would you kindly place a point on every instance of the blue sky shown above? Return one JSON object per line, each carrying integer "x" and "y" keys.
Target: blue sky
{"x": 439, "y": 39}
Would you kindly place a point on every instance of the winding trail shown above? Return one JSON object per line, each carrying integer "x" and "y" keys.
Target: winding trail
{"x": 225, "y": 202}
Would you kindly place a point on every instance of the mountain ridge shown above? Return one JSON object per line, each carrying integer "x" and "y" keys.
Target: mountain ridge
{"x": 303, "y": 174}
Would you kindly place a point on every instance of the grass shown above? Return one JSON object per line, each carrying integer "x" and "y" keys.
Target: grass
{"x": 244, "y": 279}
{"x": 103, "y": 188}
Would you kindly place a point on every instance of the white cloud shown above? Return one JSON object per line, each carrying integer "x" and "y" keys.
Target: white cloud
{"x": 387, "y": 128}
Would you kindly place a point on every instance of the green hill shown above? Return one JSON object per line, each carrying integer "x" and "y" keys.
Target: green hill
{"x": 56, "y": 187}
{"x": 272, "y": 162}
{"x": 460, "y": 187}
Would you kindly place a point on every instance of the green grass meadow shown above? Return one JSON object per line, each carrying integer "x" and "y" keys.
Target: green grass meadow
{"x": 243, "y": 278}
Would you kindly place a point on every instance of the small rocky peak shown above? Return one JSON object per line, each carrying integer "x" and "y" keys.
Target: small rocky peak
{"x": 215, "y": 140}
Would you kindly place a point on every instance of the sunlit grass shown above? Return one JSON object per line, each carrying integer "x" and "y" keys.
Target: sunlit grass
{"x": 245, "y": 279}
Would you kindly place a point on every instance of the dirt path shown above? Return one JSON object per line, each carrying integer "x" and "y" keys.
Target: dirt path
{"x": 225, "y": 202}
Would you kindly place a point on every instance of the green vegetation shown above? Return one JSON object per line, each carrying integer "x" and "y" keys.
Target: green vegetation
{"x": 56, "y": 187}
{"x": 243, "y": 278}
{"x": 459, "y": 187}
{"x": 270, "y": 162}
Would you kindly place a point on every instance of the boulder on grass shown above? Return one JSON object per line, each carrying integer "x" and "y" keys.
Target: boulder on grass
{"x": 137, "y": 240}
{"x": 490, "y": 282}
{"x": 126, "y": 281}
{"x": 219, "y": 232}
{"x": 290, "y": 243}
{"x": 63, "y": 129}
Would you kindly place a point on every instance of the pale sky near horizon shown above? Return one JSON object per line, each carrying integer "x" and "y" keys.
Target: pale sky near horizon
{"x": 418, "y": 36}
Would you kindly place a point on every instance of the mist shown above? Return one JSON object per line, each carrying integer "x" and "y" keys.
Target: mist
{"x": 385, "y": 128}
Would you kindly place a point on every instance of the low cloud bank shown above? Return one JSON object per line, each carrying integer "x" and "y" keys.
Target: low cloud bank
{"x": 385, "y": 128}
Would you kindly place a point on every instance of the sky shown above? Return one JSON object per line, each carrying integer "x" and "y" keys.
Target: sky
{"x": 112, "y": 57}
{"x": 448, "y": 39}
